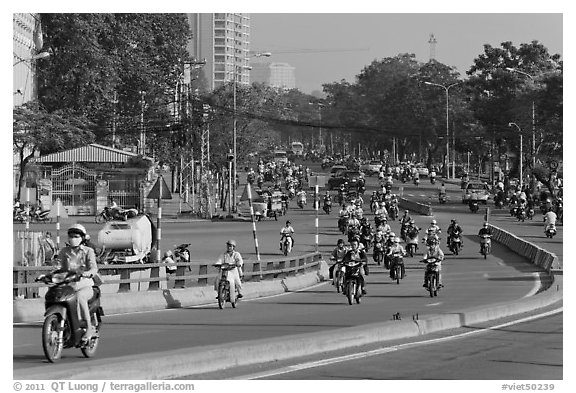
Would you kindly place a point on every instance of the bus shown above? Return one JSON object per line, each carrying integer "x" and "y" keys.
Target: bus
{"x": 297, "y": 148}
{"x": 280, "y": 156}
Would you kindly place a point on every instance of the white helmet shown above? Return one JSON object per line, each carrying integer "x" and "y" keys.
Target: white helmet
{"x": 79, "y": 229}
{"x": 433, "y": 222}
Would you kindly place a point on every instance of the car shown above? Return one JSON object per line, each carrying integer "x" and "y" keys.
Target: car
{"x": 422, "y": 170}
{"x": 371, "y": 168}
{"x": 478, "y": 189}
{"x": 341, "y": 177}
{"x": 337, "y": 168}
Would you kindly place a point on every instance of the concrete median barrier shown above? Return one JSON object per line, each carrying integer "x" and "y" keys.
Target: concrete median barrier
{"x": 420, "y": 208}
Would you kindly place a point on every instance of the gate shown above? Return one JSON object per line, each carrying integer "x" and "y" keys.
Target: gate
{"x": 75, "y": 186}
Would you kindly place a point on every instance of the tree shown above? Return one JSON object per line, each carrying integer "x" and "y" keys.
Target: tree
{"x": 36, "y": 130}
{"x": 102, "y": 62}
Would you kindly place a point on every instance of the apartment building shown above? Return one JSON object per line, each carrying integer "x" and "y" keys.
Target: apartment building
{"x": 222, "y": 39}
{"x": 278, "y": 75}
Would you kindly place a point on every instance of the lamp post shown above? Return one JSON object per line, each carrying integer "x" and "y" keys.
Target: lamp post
{"x": 520, "y": 132}
{"x": 446, "y": 88}
{"x": 320, "y": 106}
{"x": 235, "y": 79}
{"x": 533, "y": 117}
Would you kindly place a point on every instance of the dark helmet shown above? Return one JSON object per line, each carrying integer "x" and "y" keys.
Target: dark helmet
{"x": 340, "y": 241}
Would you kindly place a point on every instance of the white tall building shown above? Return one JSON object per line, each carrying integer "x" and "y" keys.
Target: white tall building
{"x": 279, "y": 75}
{"x": 224, "y": 41}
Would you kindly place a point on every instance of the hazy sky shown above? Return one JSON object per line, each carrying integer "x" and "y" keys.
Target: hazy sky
{"x": 359, "y": 38}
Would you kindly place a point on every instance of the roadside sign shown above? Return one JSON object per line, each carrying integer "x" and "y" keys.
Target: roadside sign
{"x": 319, "y": 181}
{"x": 160, "y": 190}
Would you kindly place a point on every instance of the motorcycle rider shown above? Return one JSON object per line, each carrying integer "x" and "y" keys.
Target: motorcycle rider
{"x": 357, "y": 255}
{"x": 549, "y": 219}
{"x": 396, "y": 247}
{"x": 337, "y": 256}
{"x": 434, "y": 251}
{"x": 232, "y": 257}
{"x": 169, "y": 261}
{"x": 380, "y": 214}
{"x": 485, "y": 230}
{"x": 287, "y": 231}
{"x": 384, "y": 226}
{"x": 454, "y": 227}
{"x": 78, "y": 258}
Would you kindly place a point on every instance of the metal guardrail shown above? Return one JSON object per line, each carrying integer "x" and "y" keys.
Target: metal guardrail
{"x": 129, "y": 277}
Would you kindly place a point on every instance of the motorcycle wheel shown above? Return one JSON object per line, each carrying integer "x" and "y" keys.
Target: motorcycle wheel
{"x": 100, "y": 219}
{"x": 358, "y": 295}
{"x": 350, "y": 292}
{"x": 50, "y": 338}
{"x": 456, "y": 249}
{"x": 233, "y": 300}
{"x": 432, "y": 285}
{"x": 221, "y": 296}
{"x": 398, "y": 273}
{"x": 410, "y": 252}
{"x": 89, "y": 350}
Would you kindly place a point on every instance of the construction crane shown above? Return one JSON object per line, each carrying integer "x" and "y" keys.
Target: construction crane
{"x": 312, "y": 50}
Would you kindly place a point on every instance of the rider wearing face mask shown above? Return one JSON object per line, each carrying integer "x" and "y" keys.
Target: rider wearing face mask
{"x": 81, "y": 259}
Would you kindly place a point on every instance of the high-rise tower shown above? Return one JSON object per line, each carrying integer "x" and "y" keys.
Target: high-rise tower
{"x": 432, "y": 42}
{"x": 224, "y": 41}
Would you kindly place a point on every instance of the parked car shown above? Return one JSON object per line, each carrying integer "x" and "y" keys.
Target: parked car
{"x": 342, "y": 177}
{"x": 477, "y": 188}
{"x": 371, "y": 168}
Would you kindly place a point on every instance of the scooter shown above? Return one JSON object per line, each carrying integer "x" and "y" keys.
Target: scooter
{"x": 301, "y": 200}
{"x": 352, "y": 285}
{"x": 227, "y": 291}
{"x": 455, "y": 243}
{"x": 432, "y": 275}
{"x": 62, "y": 328}
{"x": 287, "y": 244}
{"x": 378, "y": 251}
{"x": 397, "y": 270}
{"x": 433, "y": 179}
{"x": 473, "y": 205}
{"x": 442, "y": 198}
{"x": 416, "y": 181}
{"x": 339, "y": 273}
{"x": 485, "y": 245}
{"x": 327, "y": 206}
{"x": 411, "y": 244}
{"x": 550, "y": 231}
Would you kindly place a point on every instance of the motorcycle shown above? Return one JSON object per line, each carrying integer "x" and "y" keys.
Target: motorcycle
{"x": 432, "y": 275}
{"x": 455, "y": 243}
{"x": 530, "y": 213}
{"x": 473, "y": 205}
{"x": 513, "y": 211}
{"x": 291, "y": 193}
{"x": 433, "y": 179}
{"x": 287, "y": 244}
{"x": 182, "y": 253}
{"x": 397, "y": 270}
{"x": 250, "y": 178}
{"x": 20, "y": 215}
{"x": 366, "y": 239}
{"x": 550, "y": 231}
{"x": 442, "y": 198}
{"x": 39, "y": 215}
{"x": 416, "y": 181}
{"x": 521, "y": 214}
{"x": 227, "y": 291}
{"x": 353, "y": 233}
{"x": 378, "y": 251}
{"x": 62, "y": 327}
{"x": 339, "y": 273}
{"x": 411, "y": 242}
{"x": 393, "y": 212}
{"x": 301, "y": 200}
{"x": 109, "y": 214}
{"x": 343, "y": 224}
{"x": 373, "y": 205}
{"x": 327, "y": 206}
{"x": 352, "y": 284}
{"x": 485, "y": 245}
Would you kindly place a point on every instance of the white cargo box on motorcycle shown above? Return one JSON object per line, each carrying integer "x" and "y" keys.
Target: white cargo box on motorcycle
{"x": 127, "y": 241}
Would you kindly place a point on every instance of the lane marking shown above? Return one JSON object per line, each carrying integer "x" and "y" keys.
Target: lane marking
{"x": 537, "y": 284}
{"x": 434, "y": 304}
{"x": 381, "y": 351}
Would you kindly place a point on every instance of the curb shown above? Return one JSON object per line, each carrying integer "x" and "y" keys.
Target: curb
{"x": 26, "y": 310}
{"x": 200, "y": 360}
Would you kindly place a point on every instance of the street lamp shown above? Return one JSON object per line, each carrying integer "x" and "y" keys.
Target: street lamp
{"x": 446, "y": 88}
{"x": 263, "y": 54}
{"x": 520, "y": 132}
{"x": 533, "y": 117}
{"x": 320, "y": 106}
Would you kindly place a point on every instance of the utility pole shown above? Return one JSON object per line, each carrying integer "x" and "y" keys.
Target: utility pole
{"x": 142, "y": 144}
{"x": 114, "y": 102}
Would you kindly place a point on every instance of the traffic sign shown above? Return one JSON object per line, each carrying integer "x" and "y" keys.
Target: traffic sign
{"x": 160, "y": 190}
{"x": 319, "y": 181}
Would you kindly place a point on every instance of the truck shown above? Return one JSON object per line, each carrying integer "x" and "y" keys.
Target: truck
{"x": 127, "y": 241}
